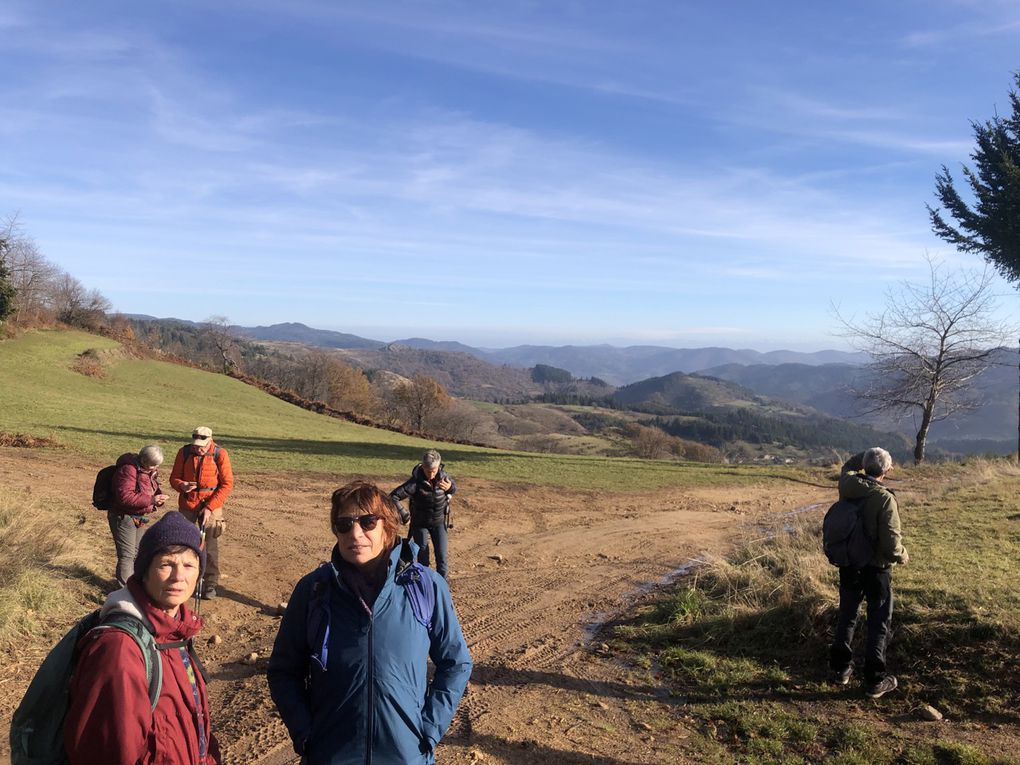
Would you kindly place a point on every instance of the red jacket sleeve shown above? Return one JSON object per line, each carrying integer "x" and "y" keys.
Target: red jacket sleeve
{"x": 109, "y": 710}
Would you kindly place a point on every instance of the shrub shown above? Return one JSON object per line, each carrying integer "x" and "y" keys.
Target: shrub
{"x": 29, "y": 543}
{"x": 89, "y": 364}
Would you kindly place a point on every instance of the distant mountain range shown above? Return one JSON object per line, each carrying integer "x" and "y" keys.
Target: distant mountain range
{"x": 670, "y": 378}
{"x": 992, "y": 426}
{"x": 293, "y": 332}
{"x": 617, "y": 366}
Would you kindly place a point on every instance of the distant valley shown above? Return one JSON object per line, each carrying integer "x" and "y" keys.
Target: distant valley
{"x": 616, "y": 366}
{"x": 667, "y": 381}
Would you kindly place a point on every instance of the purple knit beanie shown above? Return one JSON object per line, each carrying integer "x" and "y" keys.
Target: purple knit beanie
{"x": 172, "y": 529}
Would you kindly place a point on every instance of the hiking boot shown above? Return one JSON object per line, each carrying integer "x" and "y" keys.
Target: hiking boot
{"x": 842, "y": 677}
{"x": 882, "y": 687}
{"x": 208, "y": 593}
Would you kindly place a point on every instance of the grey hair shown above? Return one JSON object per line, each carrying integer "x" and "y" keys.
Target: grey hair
{"x": 877, "y": 461}
{"x": 431, "y": 458}
{"x": 150, "y": 456}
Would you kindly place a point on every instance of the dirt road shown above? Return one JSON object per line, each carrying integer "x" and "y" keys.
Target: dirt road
{"x": 532, "y": 570}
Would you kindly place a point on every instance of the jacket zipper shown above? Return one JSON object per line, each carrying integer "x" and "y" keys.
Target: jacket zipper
{"x": 370, "y": 728}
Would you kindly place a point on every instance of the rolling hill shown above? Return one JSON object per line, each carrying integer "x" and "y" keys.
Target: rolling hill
{"x": 294, "y": 332}
{"x": 991, "y": 427}
{"x": 134, "y": 401}
{"x": 684, "y": 393}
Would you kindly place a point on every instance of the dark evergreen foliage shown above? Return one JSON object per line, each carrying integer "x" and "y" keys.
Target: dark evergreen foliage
{"x": 991, "y": 228}
{"x": 7, "y": 292}
{"x": 719, "y": 427}
{"x": 543, "y": 373}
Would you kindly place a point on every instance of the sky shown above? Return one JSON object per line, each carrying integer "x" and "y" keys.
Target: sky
{"x": 560, "y": 172}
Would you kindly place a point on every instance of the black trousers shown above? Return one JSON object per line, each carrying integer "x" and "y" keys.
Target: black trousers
{"x": 875, "y": 586}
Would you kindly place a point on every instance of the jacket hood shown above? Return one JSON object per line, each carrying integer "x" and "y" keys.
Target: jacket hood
{"x": 133, "y": 600}
{"x": 127, "y": 459}
{"x": 858, "y": 486}
{"x": 123, "y": 601}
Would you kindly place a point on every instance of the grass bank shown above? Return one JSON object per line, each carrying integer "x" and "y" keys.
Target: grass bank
{"x": 44, "y": 394}
{"x": 742, "y": 641}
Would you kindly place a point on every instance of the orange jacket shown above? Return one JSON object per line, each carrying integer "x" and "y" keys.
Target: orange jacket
{"x": 214, "y": 477}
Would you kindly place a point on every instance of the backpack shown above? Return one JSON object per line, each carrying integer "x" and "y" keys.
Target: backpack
{"x": 37, "y": 728}
{"x": 844, "y": 540}
{"x": 102, "y": 490}
{"x": 415, "y": 578}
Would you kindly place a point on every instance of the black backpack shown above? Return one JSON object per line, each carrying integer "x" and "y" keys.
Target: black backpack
{"x": 844, "y": 540}
{"x": 102, "y": 490}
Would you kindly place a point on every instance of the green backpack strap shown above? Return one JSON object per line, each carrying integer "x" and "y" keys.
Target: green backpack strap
{"x": 139, "y": 632}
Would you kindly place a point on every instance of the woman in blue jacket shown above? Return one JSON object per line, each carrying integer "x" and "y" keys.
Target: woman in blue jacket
{"x": 348, "y": 672}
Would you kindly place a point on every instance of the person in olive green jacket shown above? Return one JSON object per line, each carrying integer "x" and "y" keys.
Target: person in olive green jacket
{"x": 862, "y": 479}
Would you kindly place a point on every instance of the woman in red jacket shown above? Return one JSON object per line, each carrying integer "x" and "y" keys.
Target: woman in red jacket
{"x": 109, "y": 718}
{"x": 136, "y": 493}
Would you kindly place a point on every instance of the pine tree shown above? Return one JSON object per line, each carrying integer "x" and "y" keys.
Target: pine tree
{"x": 991, "y": 228}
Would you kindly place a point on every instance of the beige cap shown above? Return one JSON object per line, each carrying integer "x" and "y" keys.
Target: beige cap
{"x": 201, "y": 436}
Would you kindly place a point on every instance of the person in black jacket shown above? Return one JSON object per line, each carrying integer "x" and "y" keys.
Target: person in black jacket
{"x": 429, "y": 489}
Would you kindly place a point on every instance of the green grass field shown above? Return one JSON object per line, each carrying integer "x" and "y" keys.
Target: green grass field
{"x": 744, "y": 639}
{"x": 145, "y": 401}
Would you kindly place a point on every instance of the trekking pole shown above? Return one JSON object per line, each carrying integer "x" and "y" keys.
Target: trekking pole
{"x": 201, "y": 575}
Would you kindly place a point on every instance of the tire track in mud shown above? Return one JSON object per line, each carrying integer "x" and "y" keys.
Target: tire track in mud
{"x": 532, "y": 568}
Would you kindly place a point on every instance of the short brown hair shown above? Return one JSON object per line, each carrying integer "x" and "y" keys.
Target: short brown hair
{"x": 366, "y": 498}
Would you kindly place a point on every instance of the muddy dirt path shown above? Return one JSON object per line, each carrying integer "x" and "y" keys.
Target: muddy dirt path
{"x": 532, "y": 570}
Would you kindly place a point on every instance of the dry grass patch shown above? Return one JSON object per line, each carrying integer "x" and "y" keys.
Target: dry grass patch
{"x": 743, "y": 639}
{"x": 26, "y": 441}
{"x": 90, "y": 364}
{"x": 29, "y": 545}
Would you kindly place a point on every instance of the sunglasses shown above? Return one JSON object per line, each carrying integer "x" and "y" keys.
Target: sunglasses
{"x": 345, "y": 523}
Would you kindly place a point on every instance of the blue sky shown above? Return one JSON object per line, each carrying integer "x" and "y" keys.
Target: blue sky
{"x": 652, "y": 171}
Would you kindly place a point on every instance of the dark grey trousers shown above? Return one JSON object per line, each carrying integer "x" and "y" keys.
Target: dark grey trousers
{"x": 126, "y": 537}
{"x": 421, "y": 535}
{"x": 875, "y": 586}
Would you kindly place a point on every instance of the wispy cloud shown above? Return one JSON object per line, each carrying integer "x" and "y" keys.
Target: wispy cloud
{"x": 958, "y": 33}
{"x": 728, "y": 172}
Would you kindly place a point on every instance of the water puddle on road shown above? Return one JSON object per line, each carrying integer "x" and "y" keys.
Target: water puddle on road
{"x": 597, "y": 621}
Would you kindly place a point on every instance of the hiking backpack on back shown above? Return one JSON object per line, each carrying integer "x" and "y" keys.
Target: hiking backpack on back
{"x": 414, "y": 578}
{"x": 102, "y": 490}
{"x": 37, "y": 727}
{"x": 844, "y": 540}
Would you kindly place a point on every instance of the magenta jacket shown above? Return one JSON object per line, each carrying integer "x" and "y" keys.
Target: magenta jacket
{"x": 134, "y": 487}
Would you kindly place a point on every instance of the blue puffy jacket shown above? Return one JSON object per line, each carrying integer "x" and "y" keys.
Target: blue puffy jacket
{"x": 372, "y": 705}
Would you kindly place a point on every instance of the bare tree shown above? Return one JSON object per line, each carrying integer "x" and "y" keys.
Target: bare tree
{"x": 927, "y": 346}
{"x": 417, "y": 400}
{"x": 647, "y": 442}
{"x": 216, "y": 331}
{"x": 76, "y": 305}
{"x": 29, "y": 274}
{"x": 459, "y": 421}
{"x": 350, "y": 390}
